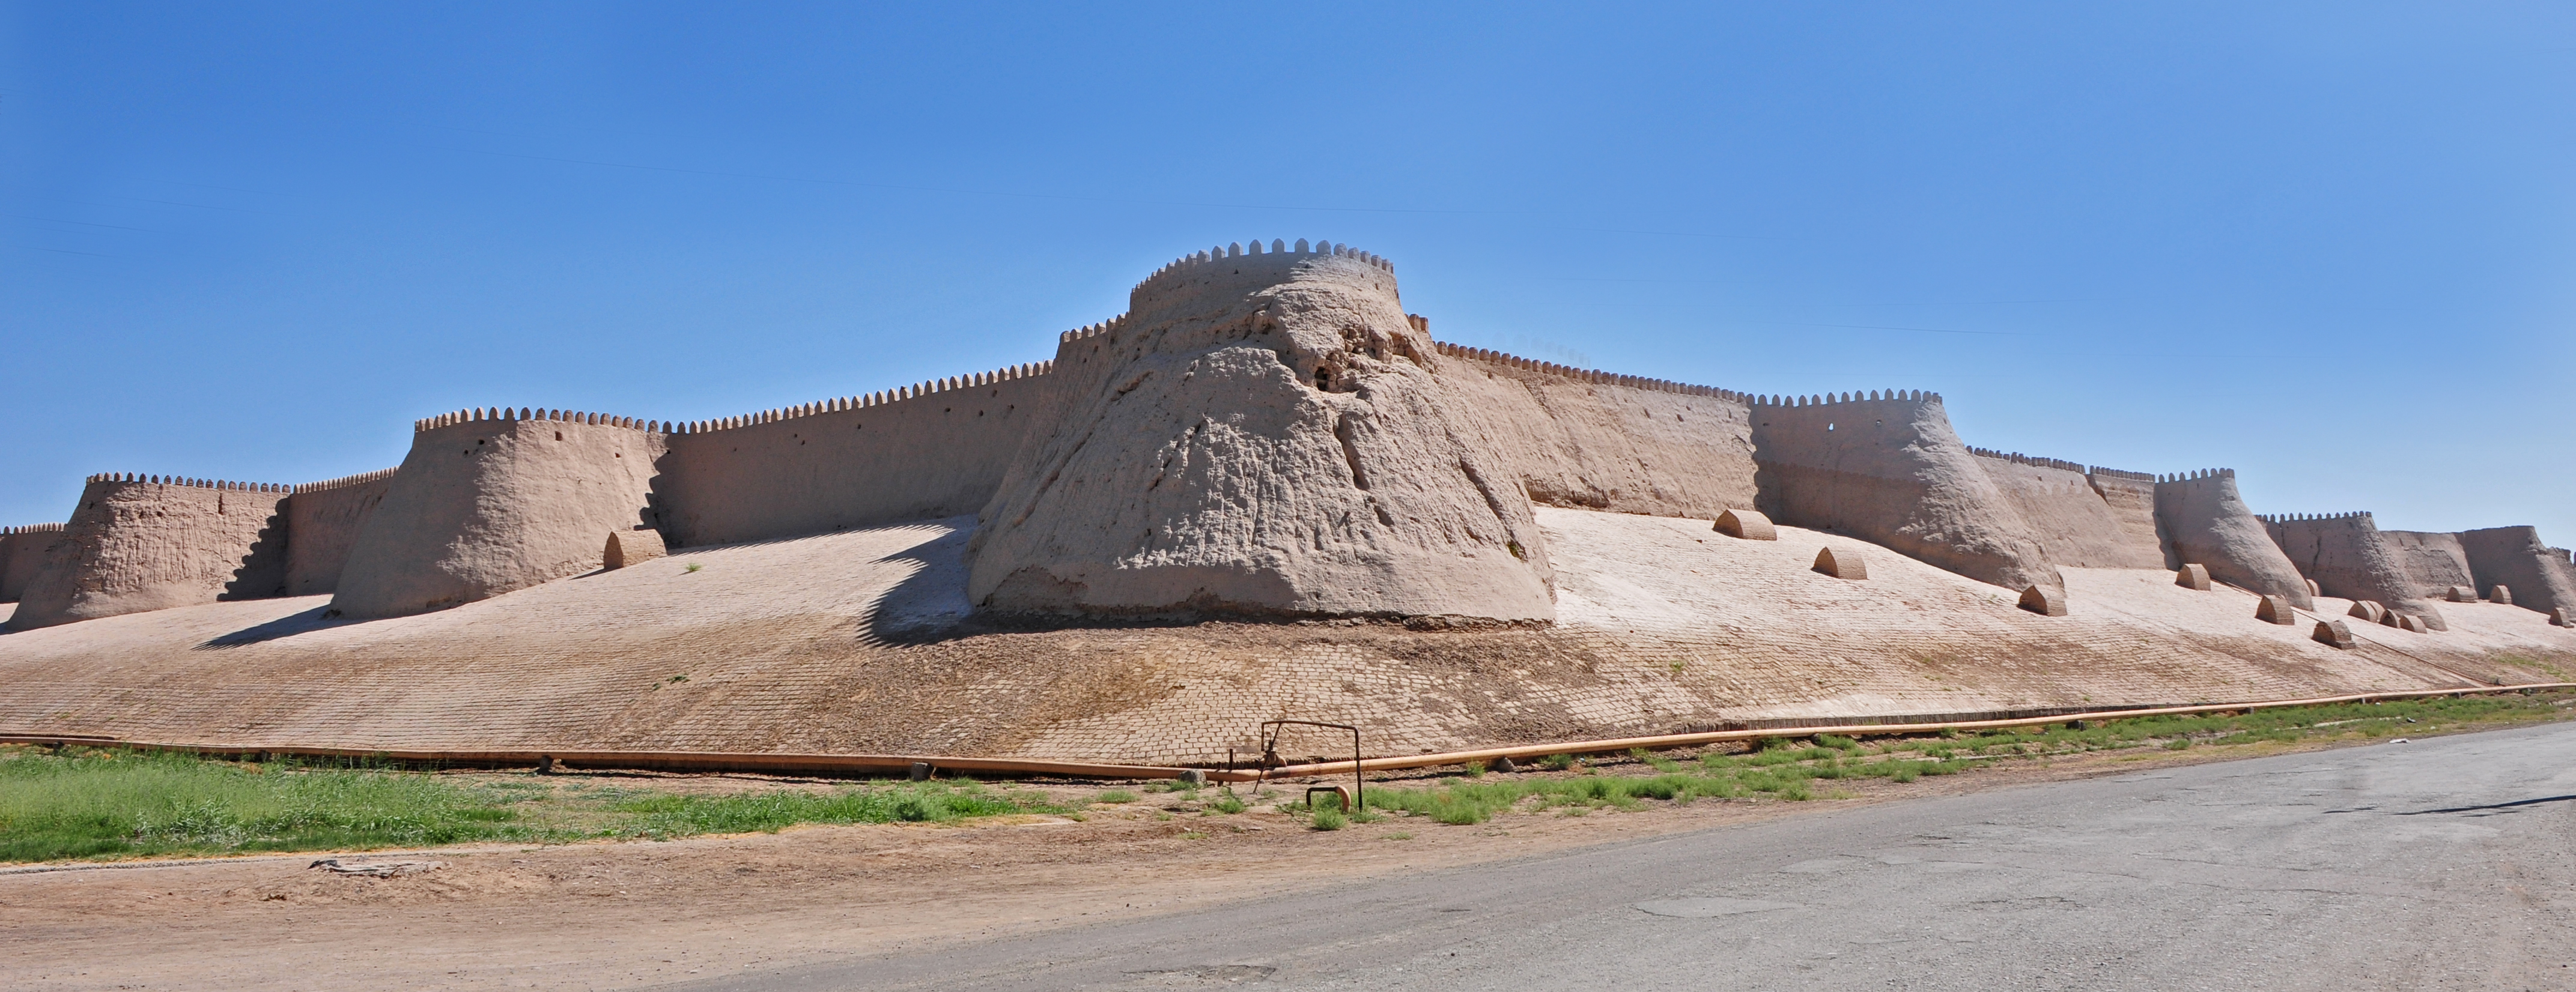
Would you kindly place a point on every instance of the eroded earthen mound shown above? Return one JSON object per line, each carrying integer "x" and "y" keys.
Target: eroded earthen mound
{"x": 1261, "y": 435}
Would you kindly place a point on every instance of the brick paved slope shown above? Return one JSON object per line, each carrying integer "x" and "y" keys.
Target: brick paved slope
{"x": 853, "y": 642}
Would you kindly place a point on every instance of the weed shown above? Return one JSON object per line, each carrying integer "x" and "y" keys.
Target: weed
{"x": 1228, "y": 804}
{"x": 1115, "y": 796}
{"x": 691, "y": 567}
{"x": 1557, "y": 762}
{"x": 1328, "y": 818}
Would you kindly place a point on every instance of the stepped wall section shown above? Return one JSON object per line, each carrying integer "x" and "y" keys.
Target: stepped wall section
{"x": 937, "y": 449}
{"x": 1588, "y": 439}
{"x": 2347, "y": 557}
{"x": 2075, "y": 523}
{"x": 1888, "y": 468}
{"x": 22, "y": 551}
{"x": 492, "y": 500}
{"x": 139, "y": 543}
{"x": 2542, "y": 577}
{"x": 322, "y": 524}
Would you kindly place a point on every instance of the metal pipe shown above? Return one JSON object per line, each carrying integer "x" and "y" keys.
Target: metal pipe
{"x": 850, "y": 763}
{"x": 1662, "y": 741}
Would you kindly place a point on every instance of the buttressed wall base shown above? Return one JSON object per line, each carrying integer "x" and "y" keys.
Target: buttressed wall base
{"x": 1891, "y": 471}
{"x": 2206, "y": 523}
{"x": 1262, "y": 434}
{"x": 135, "y": 546}
{"x": 491, "y": 501}
{"x": 2347, "y": 558}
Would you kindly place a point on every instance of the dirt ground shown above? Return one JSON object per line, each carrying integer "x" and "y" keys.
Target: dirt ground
{"x": 631, "y": 914}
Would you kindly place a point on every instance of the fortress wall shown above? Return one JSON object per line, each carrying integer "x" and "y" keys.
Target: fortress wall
{"x": 1262, "y": 434}
{"x": 150, "y": 543}
{"x": 2434, "y": 561}
{"x": 2131, "y": 498}
{"x": 2205, "y": 522}
{"x": 2541, "y": 577}
{"x": 2346, "y": 556}
{"x": 494, "y": 500}
{"x": 933, "y": 450}
{"x": 322, "y": 524}
{"x": 22, "y": 551}
{"x": 2074, "y": 523}
{"x": 1889, "y": 469}
{"x": 1594, "y": 440}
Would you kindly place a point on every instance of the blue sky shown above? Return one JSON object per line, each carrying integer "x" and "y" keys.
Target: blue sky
{"x": 2328, "y": 245}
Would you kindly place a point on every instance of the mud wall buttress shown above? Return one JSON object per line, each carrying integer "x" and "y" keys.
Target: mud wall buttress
{"x": 149, "y": 543}
{"x": 489, "y": 501}
{"x": 2205, "y": 522}
{"x": 1889, "y": 469}
{"x": 2540, "y": 576}
{"x": 934, "y": 450}
{"x": 2347, "y": 558}
{"x": 1262, "y": 434}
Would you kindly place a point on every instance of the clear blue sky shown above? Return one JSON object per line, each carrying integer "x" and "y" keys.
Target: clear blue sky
{"x": 2330, "y": 245}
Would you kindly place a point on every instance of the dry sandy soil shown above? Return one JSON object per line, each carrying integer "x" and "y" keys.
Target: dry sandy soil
{"x": 859, "y": 643}
{"x": 625, "y": 915}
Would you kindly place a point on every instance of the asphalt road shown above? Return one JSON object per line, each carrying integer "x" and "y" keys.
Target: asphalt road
{"x": 2445, "y": 863}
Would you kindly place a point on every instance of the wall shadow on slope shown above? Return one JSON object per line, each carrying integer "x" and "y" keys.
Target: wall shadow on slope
{"x": 317, "y": 618}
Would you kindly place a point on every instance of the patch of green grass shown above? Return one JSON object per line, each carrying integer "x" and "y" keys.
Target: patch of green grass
{"x": 664, "y": 815}
{"x": 107, "y": 803}
{"x": 1115, "y": 796}
{"x": 1228, "y": 804}
{"x": 1788, "y": 769}
{"x": 1328, "y": 818}
{"x": 112, "y": 803}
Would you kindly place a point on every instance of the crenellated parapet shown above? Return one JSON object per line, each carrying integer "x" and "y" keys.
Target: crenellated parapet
{"x": 172, "y": 480}
{"x": 507, "y": 415}
{"x": 1593, "y": 376}
{"x": 840, "y": 404}
{"x": 346, "y": 481}
{"x": 2033, "y": 461}
{"x": 1236, "y": 255}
